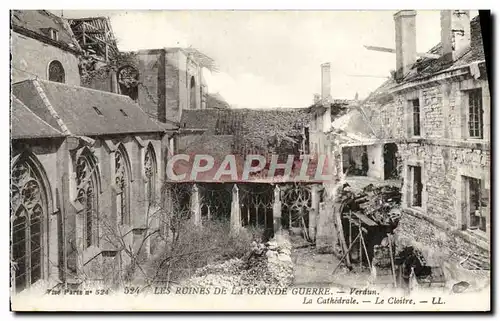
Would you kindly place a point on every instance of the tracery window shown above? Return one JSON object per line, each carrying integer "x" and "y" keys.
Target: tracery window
{"x": 86, "y": 180}
{"x": 122, "y": 187}
{"x": 128, "y": 80}
{"x": 150, "y": 173}
{"x": 28, "y": 209}
{"x": 56, "y": 72}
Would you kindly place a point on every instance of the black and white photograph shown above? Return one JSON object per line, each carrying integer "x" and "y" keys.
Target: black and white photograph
{"x": 250, "y": 160}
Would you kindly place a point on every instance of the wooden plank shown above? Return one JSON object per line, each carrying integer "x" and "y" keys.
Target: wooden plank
{"x": 390, "y": 50}
{"x": 337, "y": 213}
{"x": 365, "y": 219}
{"x": 382, "y": 49}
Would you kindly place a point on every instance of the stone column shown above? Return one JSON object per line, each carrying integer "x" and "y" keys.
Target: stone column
{"x": 277, "y": 210}
{"x": 313, "y": 211}
{"x": 195, "y": 206}
{"x": 235, "y": 209}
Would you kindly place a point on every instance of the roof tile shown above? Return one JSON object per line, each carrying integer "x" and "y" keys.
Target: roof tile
{"x": 85, "y": 111}
{"x": 26, "y": 124}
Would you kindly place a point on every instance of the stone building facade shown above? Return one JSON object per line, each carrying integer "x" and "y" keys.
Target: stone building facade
{"x": 87, "y": 166}
{"x": 436, "y": 110}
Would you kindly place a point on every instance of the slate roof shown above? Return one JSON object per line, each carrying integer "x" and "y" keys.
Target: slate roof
{"x": 36, "y": 24}
{"x": 83, "y": 111}
{"x": 25, "y": 124}
{"x": 200, "y": 118}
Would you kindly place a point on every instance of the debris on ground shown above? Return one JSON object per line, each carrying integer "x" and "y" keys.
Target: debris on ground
{"x": 266, "y": 265}
{"x": 378, "y": 203}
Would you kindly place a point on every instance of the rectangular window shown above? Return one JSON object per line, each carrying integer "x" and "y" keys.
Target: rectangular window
{"x": 415, "y": 105}
{"x": 416, "y": 186}
{"x": 475, "y": 122}
{"x": 476, "y": 204}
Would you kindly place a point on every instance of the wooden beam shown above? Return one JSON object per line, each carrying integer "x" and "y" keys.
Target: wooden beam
{"x": 428, "y": 55}
{"x": 369, "y": 76}
{"x": 365, "y": 219}
{"x": 382, "y": 49}
{"x": 390, "y": 50}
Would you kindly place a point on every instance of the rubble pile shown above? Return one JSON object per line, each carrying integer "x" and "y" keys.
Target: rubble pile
{"x": 381, "y": 203}
{"x": 381, "y": 256}
{"x": 266, "y": 264}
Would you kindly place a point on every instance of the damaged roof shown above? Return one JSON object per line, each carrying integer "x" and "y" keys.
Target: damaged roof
{"x": 95, "y": 35}
{"x": 200, "y": 118}
{"x": 38, "y": 23}
{"x": 83, "y": 111}
{"x": 353, "y": 122}
{"x": 26, "y": 124}
{"x": 216, "y": 101}
{"x": 426, "y": 67}
{"x": 227, "y": 121}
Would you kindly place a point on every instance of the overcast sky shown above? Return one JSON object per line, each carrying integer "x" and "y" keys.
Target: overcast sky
{"x": 273, "y": 58}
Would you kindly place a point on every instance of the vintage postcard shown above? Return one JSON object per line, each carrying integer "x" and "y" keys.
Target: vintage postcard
{"x": 250, "y": 160}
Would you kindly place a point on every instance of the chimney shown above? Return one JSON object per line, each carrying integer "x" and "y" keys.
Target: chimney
{"x": 406, "y": 41}
{"x": 325, "y": 81}
{"x": 455, "y": 33}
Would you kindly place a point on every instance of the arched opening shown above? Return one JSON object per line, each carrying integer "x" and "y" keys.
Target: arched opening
{"x": 128, "y": 80}
{"x": 192, "y": 93}
{"x": 150, "y": 172}
{"x": 122, "y": 182}
{"x": 56, "y": 72}
{"x": 87, "y": 176}
{"x": 29, "y": 207}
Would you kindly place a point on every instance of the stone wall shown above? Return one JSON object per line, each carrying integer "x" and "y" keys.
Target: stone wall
{"x": 172, "y": 92}
{"x": 443, "y": 166}
{"x": 34, "y": 56}
{"x": 438, "y": 245}
{"x": 152, "y": 83}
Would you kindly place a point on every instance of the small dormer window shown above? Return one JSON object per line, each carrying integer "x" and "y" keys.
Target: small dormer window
{"x": 54, "y": 34}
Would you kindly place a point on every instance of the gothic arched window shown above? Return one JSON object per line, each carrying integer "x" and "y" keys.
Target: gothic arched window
{"x": 150, "y": 174}
{"x": 28, "y": 211}
{"x": 192, "y": 94}
{"x": 87, "y": 193}
{"x": 56, "y": 72}
{"x": 122, "y": 181}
